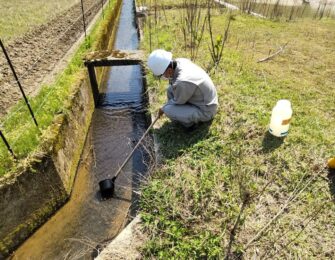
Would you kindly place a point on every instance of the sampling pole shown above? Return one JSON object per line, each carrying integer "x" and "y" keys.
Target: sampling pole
{"x": 18, "y": 82}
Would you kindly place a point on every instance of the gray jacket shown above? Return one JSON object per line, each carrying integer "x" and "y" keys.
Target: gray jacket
{"x": 192, "y": 85}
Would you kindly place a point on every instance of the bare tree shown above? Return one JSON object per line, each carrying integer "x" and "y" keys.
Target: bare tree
{"x": 193, "y": 21}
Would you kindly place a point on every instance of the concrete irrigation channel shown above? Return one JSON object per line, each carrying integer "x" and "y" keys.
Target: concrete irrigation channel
{"x": 86, "y": 222}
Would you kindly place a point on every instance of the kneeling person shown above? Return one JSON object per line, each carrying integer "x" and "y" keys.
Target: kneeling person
{"x": 192, "y": 96}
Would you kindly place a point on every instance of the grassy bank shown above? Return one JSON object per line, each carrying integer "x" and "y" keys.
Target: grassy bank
{"x": 23, "y": 136}
{"x": 230, "y": 189}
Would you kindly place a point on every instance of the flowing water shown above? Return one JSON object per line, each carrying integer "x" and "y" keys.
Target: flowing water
{"x": 86, "y": 221}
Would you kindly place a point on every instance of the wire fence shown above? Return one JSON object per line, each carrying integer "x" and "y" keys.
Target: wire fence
{"x": 15, "y": 126}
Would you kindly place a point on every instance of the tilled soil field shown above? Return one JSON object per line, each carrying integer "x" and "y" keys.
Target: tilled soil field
{"x": 36, "y": 54}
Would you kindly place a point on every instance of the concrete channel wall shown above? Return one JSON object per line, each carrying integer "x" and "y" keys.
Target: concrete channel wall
{"x": 28, "y": 198}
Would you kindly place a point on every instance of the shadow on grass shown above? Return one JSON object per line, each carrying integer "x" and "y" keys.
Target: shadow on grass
{"x": 271, "y": 142}
{"x": 331, "y": 183}
{"x": 174, "y": 138}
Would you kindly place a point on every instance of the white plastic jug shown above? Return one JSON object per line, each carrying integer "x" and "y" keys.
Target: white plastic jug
{"x": 280, "y": 118}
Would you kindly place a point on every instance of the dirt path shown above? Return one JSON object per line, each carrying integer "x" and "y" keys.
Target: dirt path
{"x": 37, "y": 53}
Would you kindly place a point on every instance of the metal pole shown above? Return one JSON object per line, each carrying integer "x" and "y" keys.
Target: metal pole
{"x": 18, "y": 82}
{"x": 82, "y": 11}
{"x": 7, "y": 144}
{"x": 102, "y": 9}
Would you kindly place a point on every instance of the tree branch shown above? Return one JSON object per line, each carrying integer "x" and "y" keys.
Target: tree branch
{"x": 281, "y": 49}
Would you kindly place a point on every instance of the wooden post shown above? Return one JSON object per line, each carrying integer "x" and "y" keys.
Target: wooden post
{"x": 83, "y": 14}
{"x": 102, "y": 9}
{"x": 94, "y": 83}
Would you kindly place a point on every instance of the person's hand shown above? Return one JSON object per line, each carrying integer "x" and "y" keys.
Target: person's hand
{"x": 160, "y": 112}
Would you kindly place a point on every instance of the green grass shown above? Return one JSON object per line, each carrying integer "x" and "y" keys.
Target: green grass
{"x": 17, "y": 17}
{"x": 217, "y": 190}
{"x": 19, "y": 129}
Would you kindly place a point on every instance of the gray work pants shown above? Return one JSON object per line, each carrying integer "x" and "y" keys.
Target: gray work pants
{"x": 187, "y": 114}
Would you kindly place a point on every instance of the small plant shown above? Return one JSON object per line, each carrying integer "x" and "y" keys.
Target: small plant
{"x": 217, "y": 42}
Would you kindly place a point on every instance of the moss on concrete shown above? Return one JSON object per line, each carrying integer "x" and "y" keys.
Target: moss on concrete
{"x": 33, "y": 222}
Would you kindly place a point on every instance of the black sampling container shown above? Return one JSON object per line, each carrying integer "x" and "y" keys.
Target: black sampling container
{"x": 107, "y": 188}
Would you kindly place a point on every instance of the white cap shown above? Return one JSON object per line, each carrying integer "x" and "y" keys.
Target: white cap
{"x": 158, "y": 61}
